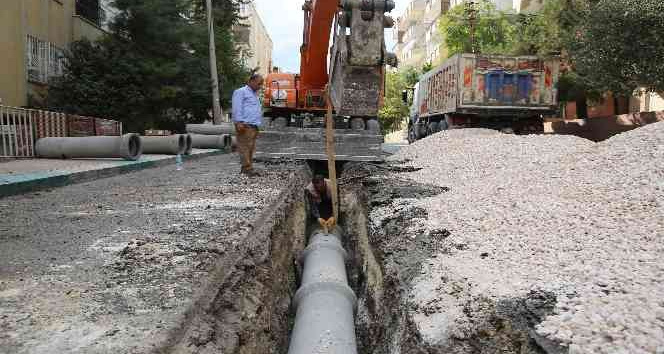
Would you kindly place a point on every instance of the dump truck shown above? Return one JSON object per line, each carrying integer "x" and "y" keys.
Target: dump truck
{"x": 508, "y": 93}
{"x": 295, "y": 104}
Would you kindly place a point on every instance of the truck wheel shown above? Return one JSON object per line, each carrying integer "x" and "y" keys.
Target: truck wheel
{"x": 411, "y": 135}
{"x": 279, "y": 123}
{"x": 357, "y": 124}
{"x": 442, "y": 125}
{"x": 432, "y": 128}
{"x": 421, "y": 131}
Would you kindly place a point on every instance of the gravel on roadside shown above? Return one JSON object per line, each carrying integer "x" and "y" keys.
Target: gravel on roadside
{"x": 559, "y": 215}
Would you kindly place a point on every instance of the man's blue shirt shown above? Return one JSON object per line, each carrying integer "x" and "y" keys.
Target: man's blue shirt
{"x": 246, "y": 106}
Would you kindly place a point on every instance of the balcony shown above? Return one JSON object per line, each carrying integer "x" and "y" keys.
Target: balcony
{"x": 412, "y": 15}
{"x": 91, "y": 11}
{"x": 242, "y": 34}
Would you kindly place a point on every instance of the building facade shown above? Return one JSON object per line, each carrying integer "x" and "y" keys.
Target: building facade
{"x": 34, "y": 35}
{"x": 253, "y": 40}
{"x": 417, "y": 35}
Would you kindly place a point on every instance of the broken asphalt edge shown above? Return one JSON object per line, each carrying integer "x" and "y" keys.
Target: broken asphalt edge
{"x": 53, "y": 179}
{"x": 222, "y": 274}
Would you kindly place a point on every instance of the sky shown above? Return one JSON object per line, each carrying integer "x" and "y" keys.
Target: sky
{"x": 284, "y": 20}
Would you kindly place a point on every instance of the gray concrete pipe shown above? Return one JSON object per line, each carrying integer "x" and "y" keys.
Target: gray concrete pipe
{"x": 189, "y": 144}
{"x": 325, "y": 303}
{"x": 127, "y": 146}
{"x": 209, "y": 129}
{"x": 199, "y": 141}
{"x": 167, "y": 145}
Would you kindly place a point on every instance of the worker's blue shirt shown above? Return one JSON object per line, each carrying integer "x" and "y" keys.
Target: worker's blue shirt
{"x": 246, "y": 106}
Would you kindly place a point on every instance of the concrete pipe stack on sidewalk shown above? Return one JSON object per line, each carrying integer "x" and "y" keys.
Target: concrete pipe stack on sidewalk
{"x": 208, "y": 136}
{"x": 127, "y": 146}
{"x": 166, "y": 145}
{"x": 325, "y": 303}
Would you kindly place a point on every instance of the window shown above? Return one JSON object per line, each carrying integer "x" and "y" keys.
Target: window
{"x": 91, "y": 11}
{"x": 44, "y": 60}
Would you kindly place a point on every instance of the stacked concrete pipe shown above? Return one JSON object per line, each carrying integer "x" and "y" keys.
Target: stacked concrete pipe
{"x": 325, "y": 303}
{"x": 209, "y": 129}
{"x": 127, "y": 146}
{"x": 167, "y": 145}
{"x": 200, "y": 141}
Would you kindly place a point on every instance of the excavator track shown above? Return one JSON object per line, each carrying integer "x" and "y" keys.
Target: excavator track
{"x": 309, "y": 144}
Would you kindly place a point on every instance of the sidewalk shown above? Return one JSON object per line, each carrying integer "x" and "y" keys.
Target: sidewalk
{"x": 24, "y": 175}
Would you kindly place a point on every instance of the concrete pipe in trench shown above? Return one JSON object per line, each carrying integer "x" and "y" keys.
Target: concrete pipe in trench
{"x": 209, "y": 129}
{"x": 127, "y": 146}
{"x": 325, "y": 303}
{"x": 168, "y": 145}
{"x": 200, "y": 141}
{"x": 188, "y": 144}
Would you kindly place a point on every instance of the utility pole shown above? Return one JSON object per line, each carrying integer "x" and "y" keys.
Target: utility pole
{"x": 216, "y": 102}
{"x": 472, "y": 17}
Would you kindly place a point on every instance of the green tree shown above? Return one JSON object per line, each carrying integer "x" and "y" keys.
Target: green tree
{"x": 394, "y": 110}
{"x": 619, "y": 45}
{"x": 541, "y": 33}
{"x": 153, "y": 70}
{"x": 494, "y": 30}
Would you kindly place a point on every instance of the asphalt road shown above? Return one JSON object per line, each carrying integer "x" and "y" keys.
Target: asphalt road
{"x": 108, "y": 266}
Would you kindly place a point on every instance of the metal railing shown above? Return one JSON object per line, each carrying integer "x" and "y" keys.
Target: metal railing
{"x": 20, "y": 128}
{"x": 16, "y": 137}
{"x": 91, "y": 10}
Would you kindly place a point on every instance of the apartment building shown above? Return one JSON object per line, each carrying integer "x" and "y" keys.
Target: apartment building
{"x": 410, "y": 33}
{"x": 417, "y": 36}
{"x": 33, "y": 37}
{"x": 253, "y": 40}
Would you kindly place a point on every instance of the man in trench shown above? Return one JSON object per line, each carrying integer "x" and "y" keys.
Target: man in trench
{"x": 247, "y": 116}
{"x": 319, "y": 195}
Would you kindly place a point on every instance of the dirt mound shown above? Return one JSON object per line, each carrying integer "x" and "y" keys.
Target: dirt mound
{"x": 558, "y": 218}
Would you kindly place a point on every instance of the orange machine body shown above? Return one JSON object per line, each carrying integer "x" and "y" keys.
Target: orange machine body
{"x": 287, "y": 93}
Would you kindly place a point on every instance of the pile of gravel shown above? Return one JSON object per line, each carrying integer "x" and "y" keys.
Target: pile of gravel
{"x": 559, "y": 215}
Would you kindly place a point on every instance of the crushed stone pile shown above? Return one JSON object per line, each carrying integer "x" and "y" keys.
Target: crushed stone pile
{"x": 558, "y": 215}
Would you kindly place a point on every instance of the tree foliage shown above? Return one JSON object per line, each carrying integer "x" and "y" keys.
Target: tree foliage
{"x": 619, "y": 46}
{"x": 394, "y": 110}
{"x": 612, "y": 45}
{"x": 493, "y": 32}
{"x": 152, "y": 71}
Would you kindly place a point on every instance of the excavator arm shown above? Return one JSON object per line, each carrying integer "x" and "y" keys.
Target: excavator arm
{"x": 352, "y": 80}
{"x": 357, "y": 60}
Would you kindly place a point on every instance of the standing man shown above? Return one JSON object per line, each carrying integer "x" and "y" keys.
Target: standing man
{"x": 247, "y": 116}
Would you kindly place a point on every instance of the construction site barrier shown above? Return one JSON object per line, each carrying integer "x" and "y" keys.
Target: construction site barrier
{"x": 20, "y": 128}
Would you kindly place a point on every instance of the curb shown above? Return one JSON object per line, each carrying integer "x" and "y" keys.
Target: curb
{"x": 56, "y": 179}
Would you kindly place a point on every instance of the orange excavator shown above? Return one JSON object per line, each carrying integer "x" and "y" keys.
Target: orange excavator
{"x": 354, "y": 81}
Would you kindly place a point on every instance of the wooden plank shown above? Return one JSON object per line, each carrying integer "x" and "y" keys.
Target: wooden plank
{"x": 331, "y": 157}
